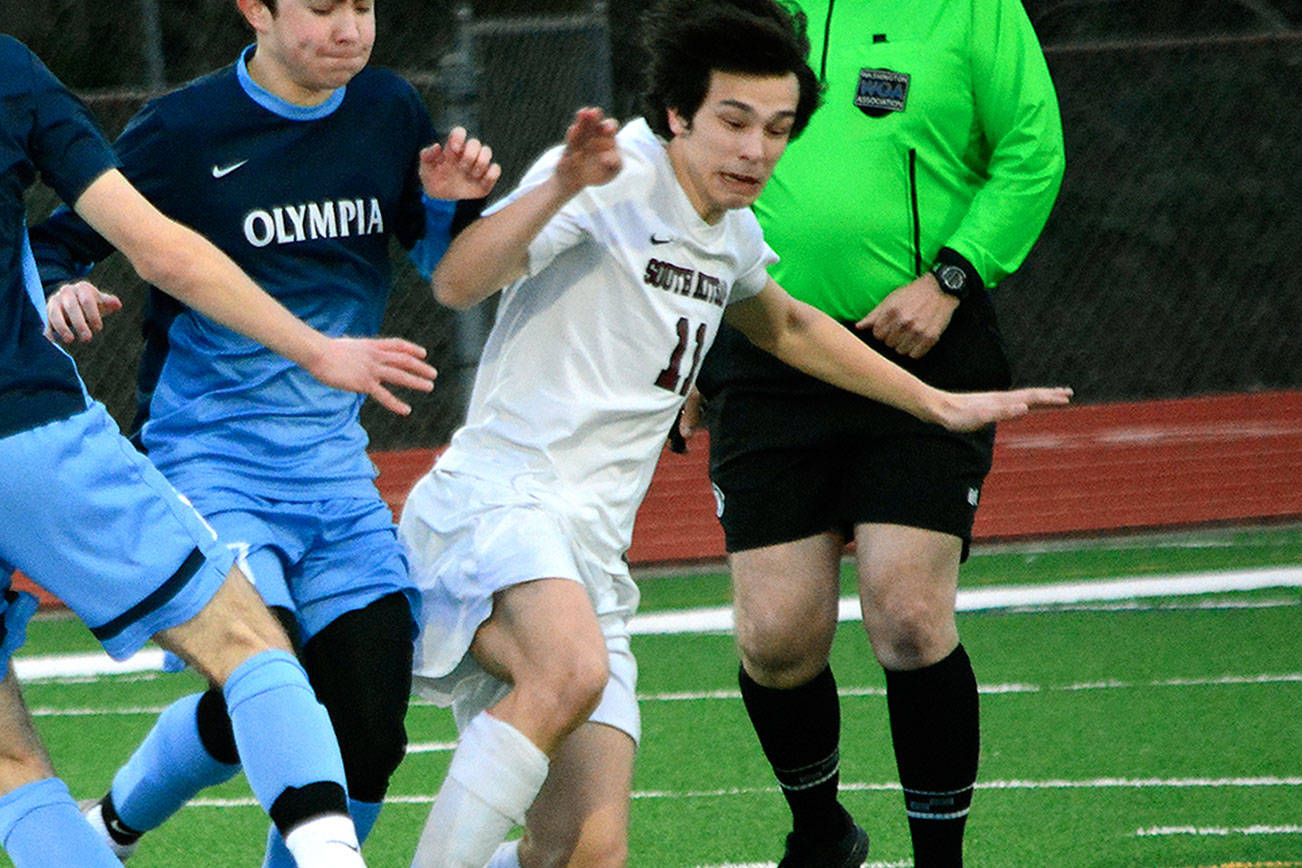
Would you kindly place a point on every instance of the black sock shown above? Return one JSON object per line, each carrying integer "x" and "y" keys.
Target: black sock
{"x": 799, "y": 730}
{"x": 935, "y": 726}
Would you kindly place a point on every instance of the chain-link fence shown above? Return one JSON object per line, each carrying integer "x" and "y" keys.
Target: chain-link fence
{"x": 1167, "y": 267}
{"x": 1164, "y": 268}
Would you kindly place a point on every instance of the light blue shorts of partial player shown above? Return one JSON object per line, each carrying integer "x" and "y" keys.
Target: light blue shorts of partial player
{"x": 319, "y": 559}
{"x": 88, "y": 518}
{"x": 469, "y": 537}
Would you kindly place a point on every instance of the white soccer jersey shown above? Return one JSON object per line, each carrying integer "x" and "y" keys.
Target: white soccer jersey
{"x": 595, "y": 349}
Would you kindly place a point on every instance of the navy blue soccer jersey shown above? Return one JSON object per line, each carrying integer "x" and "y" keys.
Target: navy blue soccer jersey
{"x": 43, "y": 129}
{"x": 306, "y": 201}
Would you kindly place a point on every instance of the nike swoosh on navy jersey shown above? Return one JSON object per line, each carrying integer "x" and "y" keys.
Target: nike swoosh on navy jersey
{"x": 223, "y": 171}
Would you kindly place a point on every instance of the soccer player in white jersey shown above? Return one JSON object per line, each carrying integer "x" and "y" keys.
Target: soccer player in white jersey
{"x": 622, "y": 251}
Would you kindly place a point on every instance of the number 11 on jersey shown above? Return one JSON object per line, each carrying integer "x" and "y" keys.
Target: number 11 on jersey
{"x": 670, "y": 378}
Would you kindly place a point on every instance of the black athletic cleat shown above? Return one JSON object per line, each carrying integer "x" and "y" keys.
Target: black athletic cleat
{"x": 849, "y": 851}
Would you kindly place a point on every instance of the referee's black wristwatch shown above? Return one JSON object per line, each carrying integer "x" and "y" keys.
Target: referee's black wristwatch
{"x": 955, "y": 274}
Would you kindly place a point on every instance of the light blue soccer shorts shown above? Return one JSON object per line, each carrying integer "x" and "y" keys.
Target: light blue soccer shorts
{"x": 88, "y": 518}
{"x": 319, "y": 559}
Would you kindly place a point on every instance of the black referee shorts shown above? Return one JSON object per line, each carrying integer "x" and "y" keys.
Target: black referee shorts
{"x": 791, "y": 456}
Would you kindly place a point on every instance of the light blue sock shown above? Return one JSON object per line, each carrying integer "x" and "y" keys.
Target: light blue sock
{"x": 169, "y": 768}
{"x": 364, "y": 816}
{"x": 283, "y": 734}
{"x": 41, "y": 827}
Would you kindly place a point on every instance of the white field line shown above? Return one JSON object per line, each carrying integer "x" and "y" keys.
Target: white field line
{"x": 719, "y": 619}
{"x": 1216, "y": 831}
{"x": 1002, "y": 689}
{"x": 730, "y": 695}
{"x": 864, "y": 786}
{"x": 40, "y": 667}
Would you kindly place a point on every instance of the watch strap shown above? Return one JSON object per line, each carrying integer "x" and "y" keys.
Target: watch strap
{"x": 947, "y": 256}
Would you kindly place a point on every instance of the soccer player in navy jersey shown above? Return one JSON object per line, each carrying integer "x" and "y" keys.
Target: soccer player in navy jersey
{"x": 88, "y": 518}
{"x": 301, "y": 163}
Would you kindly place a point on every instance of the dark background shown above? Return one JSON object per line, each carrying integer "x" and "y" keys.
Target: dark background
{"x": 1169, "y": 266}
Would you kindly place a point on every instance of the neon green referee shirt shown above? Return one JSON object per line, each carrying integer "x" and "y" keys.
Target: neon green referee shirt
{"x": 939, "y": 128}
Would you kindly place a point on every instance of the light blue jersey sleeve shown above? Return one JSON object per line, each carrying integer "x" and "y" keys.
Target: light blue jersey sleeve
{"x": 426, "y": 253}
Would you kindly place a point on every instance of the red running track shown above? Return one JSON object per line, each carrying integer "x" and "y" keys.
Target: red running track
{"x": 1102, "y": 467}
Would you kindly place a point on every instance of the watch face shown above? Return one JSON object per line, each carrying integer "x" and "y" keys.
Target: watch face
{"x": 951, "y": 276}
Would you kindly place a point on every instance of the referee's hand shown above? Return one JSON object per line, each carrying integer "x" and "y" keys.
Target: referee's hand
{"x": 912, "y": 318}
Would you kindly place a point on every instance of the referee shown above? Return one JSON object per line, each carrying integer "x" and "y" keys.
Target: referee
{"x": 921, "y": 184}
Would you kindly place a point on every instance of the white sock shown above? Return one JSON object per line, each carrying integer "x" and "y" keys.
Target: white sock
{"x": 328, "y": 841}
{"x": 496, "y": 773}
{"x": 507, "y": 856}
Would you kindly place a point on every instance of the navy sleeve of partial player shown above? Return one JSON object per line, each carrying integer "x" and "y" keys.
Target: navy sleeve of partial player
{"x": 65, "y": 143}
{"x": 65, "y": 248}
{"x": 413, "y": 216}
{"x": 64, "y": 245}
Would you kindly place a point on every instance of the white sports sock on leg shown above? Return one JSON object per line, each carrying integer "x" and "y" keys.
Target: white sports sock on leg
{"x": 95, "y": 817}
{"x": 506, "y": 856}
{"x": 327, "y": 841}
{"x": 495, "y": 775}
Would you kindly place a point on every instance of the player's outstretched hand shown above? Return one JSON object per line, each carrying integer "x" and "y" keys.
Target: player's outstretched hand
{"x": 77, "y": 310}
{"x": 366, "y": 365}
{"x": 591, "y": 157}
{"x": 968, "y": 411}
{"x": 461, "y": 168}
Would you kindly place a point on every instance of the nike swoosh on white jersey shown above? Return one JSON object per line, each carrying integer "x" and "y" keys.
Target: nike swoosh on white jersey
{"x": 223, "y": 171}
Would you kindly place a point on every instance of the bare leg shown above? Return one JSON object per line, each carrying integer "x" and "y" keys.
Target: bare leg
{"x": 785, "y": 599}
{"x": 908, "y": 585}
{"x": 39, "y": 822}
{"x": 543, "y": 639}
{"x": 786, "y": 604}
{"x": 23, "y": 759}
{"x": 234, "y": 626}
{"x": 580, "y": 817}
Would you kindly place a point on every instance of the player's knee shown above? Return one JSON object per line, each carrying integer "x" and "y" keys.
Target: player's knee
{"x": 22, "y": 764}
{"x": 360, "y": 668}
{"x": 582, "y": 682}
{"x": 911, "y": 636}
{"x": 565, "y": 693}
{"x": 226, "y": 633}
{"x": 778, "y": 654}
{"x": 372, "y": 746}
{"x": 214, "y": 724}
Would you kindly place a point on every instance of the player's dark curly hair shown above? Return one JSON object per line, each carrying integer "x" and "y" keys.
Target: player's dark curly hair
{"x": 689, "y": 39}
